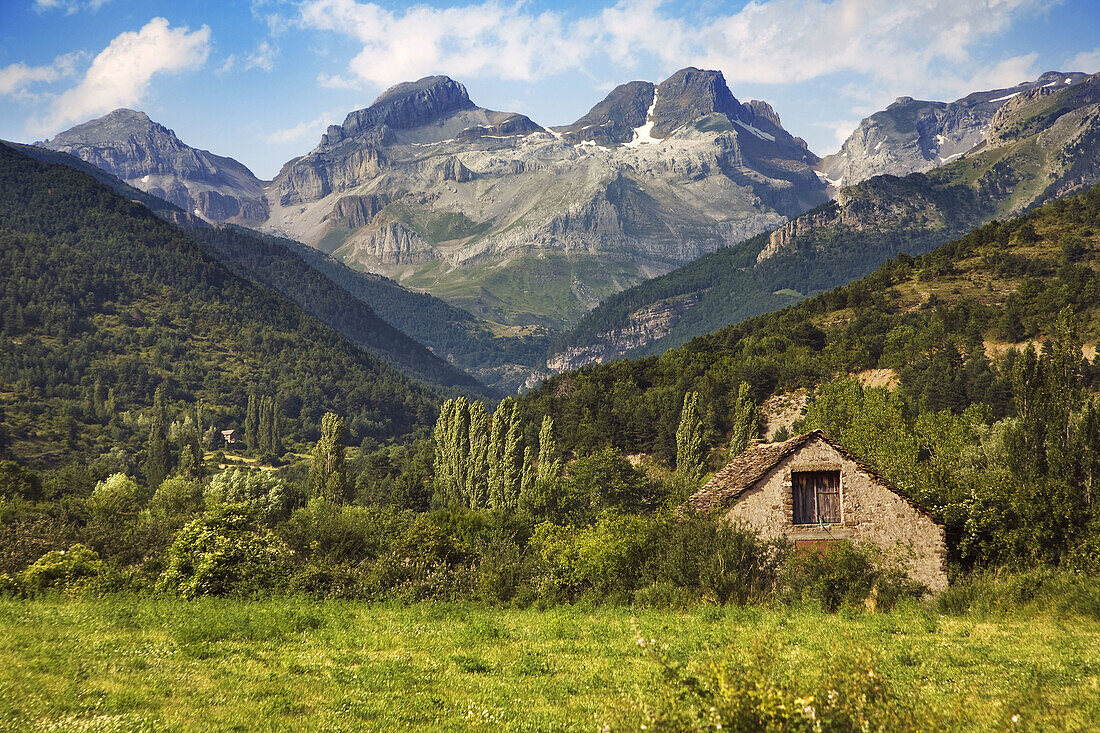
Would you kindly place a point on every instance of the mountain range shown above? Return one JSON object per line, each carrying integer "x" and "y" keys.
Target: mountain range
{"x": 667, "y": 211}
{"x": 1041, "y": 144}
{"x": 517, "y": 223}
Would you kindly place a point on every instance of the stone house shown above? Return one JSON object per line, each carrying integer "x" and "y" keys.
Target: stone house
{"x": 814, "y": 491}
{"x": 231, "y": 437}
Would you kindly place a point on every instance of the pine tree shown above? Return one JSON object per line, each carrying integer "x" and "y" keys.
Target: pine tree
{"x": 328, "y": 472}
{"x": 744, "y": 421}
{"x": 689, "y": 439}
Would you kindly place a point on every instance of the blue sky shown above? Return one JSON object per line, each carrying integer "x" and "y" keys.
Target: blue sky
{"x": 259, "y": 81}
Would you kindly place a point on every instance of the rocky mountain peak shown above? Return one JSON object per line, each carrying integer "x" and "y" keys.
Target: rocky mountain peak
{"x": 758, "y": 109}
{"x": 150, "y": 157}
{"x": 613, "y": 120}
{"x": 112, "y": 126}
{"x": 689, "y": 94}
{"x": 405, "y": 106}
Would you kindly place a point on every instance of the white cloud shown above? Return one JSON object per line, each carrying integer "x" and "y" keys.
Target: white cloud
{"x": 263, "y": 57}
{"x": 17, "y": 78}
{"x": 119, "y": 75}
{"x": 489, "y": 39}
{"x": 70, "y": 6}
{"x": 335, "y": 81}
{"x": 302, "y": 131}
{"x": 911, "y": 45}
{"x": 1086, "y": 61}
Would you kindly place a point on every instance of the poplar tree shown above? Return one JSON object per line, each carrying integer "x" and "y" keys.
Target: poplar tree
{"x": 251, "y": 421}
{"x": 476, "y": 487}
{"x": 744, "y": 421}
{"x": 328, "y": 473}
{"x": 689, "y": 439}
{"x": 549, "y": 463}
{"x": 507, "y": 462}
{"x": 452, "y": 449}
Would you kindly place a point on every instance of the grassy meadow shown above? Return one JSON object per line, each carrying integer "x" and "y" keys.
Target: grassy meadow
{"x": 120, "y": 663}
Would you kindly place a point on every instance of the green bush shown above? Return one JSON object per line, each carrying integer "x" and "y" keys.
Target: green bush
{"x": 17, "y": 482}
{"x": 845, "y": 574}
{"x": 176, "y": 499}
{"x": 269, "y": 498}
{"x": 607, "y": 557}
{"x": 721, "y": 563}
{"x": 225, "y": 553}
{"x": 67, "y": 571}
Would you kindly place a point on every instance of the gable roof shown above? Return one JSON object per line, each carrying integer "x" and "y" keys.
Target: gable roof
{"x": 740, "y": 474}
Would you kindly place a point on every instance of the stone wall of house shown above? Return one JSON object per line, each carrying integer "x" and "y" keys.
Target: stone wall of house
{"x": 869, "y": 513}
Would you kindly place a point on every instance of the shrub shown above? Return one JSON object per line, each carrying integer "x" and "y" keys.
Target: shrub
{"x": 176, "y": 498}
{"x": 64, "y": 570}
{"x": 225, "y": 553}
{"x": 115, "y": 499}
{"x": 721, "y": 562}
{"x": 849, "y": 695}
{"x": 847, "y": 575}
{"x": 269, "y": 498}
{"x": 610, "y": 556}
{"x": 17, "y": 482}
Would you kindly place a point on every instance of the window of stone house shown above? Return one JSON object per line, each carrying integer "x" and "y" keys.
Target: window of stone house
{"x": 816, "y": 496}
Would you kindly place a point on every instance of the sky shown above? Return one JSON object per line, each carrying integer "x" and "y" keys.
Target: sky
{"x": 260, "y": 81}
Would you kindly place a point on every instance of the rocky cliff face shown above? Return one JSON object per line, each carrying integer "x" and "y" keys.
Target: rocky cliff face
{"x": 912, "y": 136}
{"x": 643, "y": 326}
{"x": 653, "y": 176}
{"x": 151, "y": 158}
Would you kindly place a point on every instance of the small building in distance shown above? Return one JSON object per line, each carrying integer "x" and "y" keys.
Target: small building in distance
{"x": 813, "y": 491}
{"x": 231, "y": 437}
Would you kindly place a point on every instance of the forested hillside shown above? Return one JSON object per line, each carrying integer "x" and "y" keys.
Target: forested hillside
{"x": 500, "y": 358}
{"x": 987, "y": 344}
{"x": 103, "y": 303}
{"x": 286, "y": 272}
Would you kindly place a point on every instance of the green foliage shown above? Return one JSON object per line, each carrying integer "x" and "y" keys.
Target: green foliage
{"x": 116, "y": 499}
{"x": 177, "y": 498}
{"x": 745, "y": 421}
{"x": 102, "y": 303}
{"x": 225, "y": 553}
{"x": 66, "y": 571}
{"x": 689, "y": 439}
{"x": 747, "y": 696}
{"x": 269, "y": 499}
{"x": 17, "y": 482}
{"x": 328, "y": 473}
{"x": 844, "y": 574}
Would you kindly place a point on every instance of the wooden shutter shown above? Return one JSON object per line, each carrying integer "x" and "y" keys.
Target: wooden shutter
{"x": 804, "y": 496}
{"x": 828, "y": 496}
{"x": 815, "y": 497}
